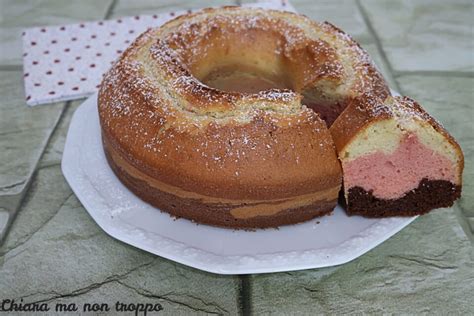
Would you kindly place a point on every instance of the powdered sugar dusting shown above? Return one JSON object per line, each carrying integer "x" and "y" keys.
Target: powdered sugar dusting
{"x": 153, "y": 92}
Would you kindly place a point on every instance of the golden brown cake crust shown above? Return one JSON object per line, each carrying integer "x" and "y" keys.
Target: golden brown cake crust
{"x": 158, "y": 118}
{"x": 215, "y": 212}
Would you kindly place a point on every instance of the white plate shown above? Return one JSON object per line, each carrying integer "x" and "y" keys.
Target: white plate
{"x": 337, "y": 239}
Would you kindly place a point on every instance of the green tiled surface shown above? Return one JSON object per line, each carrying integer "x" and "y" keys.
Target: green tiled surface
{"x": 342, "y": 13}
{"x": 24, "y": 134}
{"x": 53, "y": 153}
{"x": 426, "y": 268}
{"x": 54, "y": 251}
{"x": 23, "y": 131}
{"x": 424, "y": 35}
{"x": 17, "y": 15}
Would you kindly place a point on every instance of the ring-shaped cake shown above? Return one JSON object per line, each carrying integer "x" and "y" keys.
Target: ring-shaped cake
{"x": 222, "y": 116}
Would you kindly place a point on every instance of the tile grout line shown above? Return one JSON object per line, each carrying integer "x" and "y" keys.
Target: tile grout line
{"x": 464, "y": 222}
{"x": 378, "y": 44}
{"x": 61, "y": 117}
{"x": 434, "y": 73}
{"x": 110, "y": 9}
{"x": 14, "y": 67}
{"x": 244, "y": 296}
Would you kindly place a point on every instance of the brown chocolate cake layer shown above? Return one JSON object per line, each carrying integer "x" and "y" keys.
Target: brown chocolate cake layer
{"x": 218, "y": 214}
{"x": 429, "y": 194}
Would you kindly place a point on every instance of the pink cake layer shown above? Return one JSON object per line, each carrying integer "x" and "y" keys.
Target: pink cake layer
{"x": 390, "y": 176}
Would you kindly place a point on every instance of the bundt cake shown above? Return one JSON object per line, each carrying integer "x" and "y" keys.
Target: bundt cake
{"x": 396, "y": 159}
{"x": 222, "y": 116}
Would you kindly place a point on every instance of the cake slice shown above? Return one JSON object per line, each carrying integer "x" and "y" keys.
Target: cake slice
{"x": 396, "y": 159}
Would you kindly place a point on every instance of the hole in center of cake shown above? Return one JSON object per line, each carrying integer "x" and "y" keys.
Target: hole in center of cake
{"x": 327, "y": 111}
{"x": 243, "y": 79}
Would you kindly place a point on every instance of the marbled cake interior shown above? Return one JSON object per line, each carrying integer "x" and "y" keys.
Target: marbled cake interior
{"x": 392, "y": 175}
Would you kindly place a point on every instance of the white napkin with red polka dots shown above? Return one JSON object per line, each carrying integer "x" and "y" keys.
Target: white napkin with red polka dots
{"x": 67, "y": 62}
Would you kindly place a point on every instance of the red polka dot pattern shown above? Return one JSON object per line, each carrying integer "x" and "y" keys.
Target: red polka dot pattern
{"x": 67, "y": 62}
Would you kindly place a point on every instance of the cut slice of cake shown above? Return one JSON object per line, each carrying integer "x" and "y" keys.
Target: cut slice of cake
{"x": 396, "y": 159}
